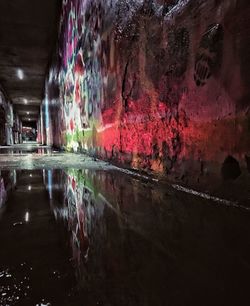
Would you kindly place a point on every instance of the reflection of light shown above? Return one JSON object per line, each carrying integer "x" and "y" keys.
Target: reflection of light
{"x": 27, "y": 217}
{"x": 20, "y": 74}
{"x": 44, "y": 177}
{"x": 29, "y": 188}
{"x": 25, "y": 101}
{"x": 28, "y": 113}
{"x": 30, "y": 175}
{"x": 50, "y": 183}
{"x": 29, "y": 119}
{"x": 47, "y": 118}
{"x": 14, "y": 177}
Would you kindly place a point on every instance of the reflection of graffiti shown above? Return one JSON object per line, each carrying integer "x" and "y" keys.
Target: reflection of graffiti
{"x": 81, "y": 211}
{"x": 209, "y": 56}
{"x": 2, "y": 192}
{"x": 77, "y": 204}
{"x": 111, "y": 223}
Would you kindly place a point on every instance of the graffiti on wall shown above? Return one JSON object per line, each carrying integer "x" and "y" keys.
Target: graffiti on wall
{"x": 103, "y": 105}
{"x": 7, "y": 119}
{"x": 209, "y": 56}
{"x": 125, "y": 84}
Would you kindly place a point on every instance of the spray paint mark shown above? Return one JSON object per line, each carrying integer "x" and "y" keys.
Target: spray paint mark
{"x": 209, "y": 56}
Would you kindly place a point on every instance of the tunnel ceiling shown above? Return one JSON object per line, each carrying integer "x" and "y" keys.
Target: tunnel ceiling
{"x": 28, "y": 31}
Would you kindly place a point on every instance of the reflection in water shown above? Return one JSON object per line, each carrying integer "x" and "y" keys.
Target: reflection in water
{"x": 27, "y": 217}
{"x": 115, "y": 258}
{"x": 34, "y": 261}
{"x": 81, "y": 210}
{"x": 99, "y": 237}
{"x": 7, "y": 183}
{"x": 25, "y": 150}
{"x": 134, "y": 243}
{"x": 2, "y": 193}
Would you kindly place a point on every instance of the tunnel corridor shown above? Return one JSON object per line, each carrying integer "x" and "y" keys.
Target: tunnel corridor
{"x": 124, "y": 152}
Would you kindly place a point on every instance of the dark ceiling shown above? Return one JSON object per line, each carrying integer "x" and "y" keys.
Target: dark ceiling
{"x": 28, "y": 32}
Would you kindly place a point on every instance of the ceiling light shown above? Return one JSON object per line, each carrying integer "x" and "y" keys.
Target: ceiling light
{"x": 28, "y": 113}
{"x": 20, "y": 74}
{"x": 25, "y": 101}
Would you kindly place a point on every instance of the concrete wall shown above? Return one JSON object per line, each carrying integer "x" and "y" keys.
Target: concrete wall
{"x": 6, "y": 120}
{"x": 17, "y": 129}
{"x": 160, "y": 86}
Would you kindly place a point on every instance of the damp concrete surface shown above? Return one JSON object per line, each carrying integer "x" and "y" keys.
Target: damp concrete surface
{"x": 76, "y": 231}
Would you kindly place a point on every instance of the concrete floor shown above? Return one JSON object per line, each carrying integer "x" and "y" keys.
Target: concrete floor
{"x": 75, "y": 231}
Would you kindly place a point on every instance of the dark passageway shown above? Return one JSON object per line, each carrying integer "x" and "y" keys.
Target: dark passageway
{"x": 124, "y": 152}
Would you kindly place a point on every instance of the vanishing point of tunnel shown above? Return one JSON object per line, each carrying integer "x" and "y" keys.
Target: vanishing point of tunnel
{"x": 124, "y": 152}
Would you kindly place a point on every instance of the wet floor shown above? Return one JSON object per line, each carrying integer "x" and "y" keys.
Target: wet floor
{"x": 93, "y": 235}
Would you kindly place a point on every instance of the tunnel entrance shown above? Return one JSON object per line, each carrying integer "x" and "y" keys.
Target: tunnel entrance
{"x": 29, "y": 132}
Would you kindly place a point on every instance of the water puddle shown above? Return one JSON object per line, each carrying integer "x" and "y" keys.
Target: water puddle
{"x": 100, "y": 237}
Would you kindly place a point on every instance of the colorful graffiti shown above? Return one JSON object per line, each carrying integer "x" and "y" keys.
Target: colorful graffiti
{"x": 91, "y": 206}
{"x": 127, "y": 240}
{"x": 79, "y": 206}
{"x": 128, "y": 84}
